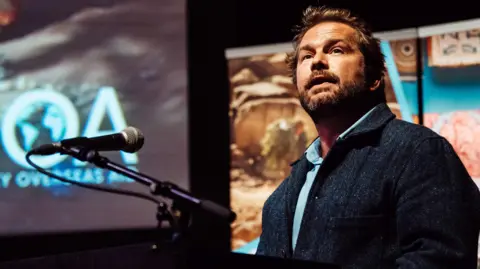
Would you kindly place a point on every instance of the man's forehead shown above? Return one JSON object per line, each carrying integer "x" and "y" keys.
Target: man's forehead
{"x": 326, "y": 31}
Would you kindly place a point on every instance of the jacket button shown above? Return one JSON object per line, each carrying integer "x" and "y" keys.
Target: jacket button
{"x": 283, "y": 253}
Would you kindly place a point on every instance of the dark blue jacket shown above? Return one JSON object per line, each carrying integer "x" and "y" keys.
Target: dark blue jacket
{"x": 390, "y": 194}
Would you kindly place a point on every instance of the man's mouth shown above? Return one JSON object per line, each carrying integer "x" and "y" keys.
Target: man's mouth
{"x": 320, "y": 80}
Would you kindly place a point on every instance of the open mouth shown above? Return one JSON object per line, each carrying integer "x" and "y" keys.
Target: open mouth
{"x": 320, "y": 80}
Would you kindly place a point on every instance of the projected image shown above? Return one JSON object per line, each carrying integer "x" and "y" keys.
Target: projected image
{"x": 452, "y": 93}
{"x": 88, "y": 70}
{"x": 270, "y": 130}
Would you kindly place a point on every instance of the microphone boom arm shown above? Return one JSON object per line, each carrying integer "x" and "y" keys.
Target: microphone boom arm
{"x": 166, "y": 189}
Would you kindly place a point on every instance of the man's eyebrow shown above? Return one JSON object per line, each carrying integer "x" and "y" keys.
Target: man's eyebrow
{"x": 306, "y": 47}
{"x": 338, "y": 40}
{"x": 329, "y": 42}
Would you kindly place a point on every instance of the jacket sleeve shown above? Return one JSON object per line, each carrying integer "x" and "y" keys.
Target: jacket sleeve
{"x": 437, "y": 215}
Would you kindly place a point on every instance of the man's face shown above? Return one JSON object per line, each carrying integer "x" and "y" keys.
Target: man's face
{"x": 330, "y": 68}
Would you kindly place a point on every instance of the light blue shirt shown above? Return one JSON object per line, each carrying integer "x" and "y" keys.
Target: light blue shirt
{"x": 313, "y": 155}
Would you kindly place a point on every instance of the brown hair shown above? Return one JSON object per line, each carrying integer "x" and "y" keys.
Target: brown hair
{"x": 369, "y": 45}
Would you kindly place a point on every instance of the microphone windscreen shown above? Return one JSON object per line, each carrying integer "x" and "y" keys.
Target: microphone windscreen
{"x": 134, "y": 139}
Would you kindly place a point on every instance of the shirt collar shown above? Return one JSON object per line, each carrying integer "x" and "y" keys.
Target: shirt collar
{"x": 313, "y": 154}
{"x": 342, "y": 135}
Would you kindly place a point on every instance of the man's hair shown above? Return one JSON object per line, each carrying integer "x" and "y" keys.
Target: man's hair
{"x": 369, "y": 45}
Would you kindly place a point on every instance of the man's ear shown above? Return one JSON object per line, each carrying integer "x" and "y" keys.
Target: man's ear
{"x": 376, "y": 84}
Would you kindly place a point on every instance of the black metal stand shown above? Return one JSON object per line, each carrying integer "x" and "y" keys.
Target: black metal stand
{"x": 173, "y": 242}
{"x": 183, "y": 203}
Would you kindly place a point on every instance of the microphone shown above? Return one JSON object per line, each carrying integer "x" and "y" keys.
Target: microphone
{"x": 129, "y": 140}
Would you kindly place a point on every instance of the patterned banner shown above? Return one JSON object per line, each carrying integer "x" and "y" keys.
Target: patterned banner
{"x": 462, "y": 130}
{"x": 455, "y": 49}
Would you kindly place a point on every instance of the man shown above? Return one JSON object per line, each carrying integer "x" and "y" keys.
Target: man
{"x": 372, "y": 191}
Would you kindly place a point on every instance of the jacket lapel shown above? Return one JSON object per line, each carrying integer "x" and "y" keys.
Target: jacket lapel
{"x": 297, "y": 179}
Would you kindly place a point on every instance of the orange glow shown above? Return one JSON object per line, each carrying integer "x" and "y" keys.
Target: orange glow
{"x": 8, "y": 10}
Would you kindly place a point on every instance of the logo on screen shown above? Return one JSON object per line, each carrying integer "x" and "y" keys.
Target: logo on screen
{"x": 43, "y": 116}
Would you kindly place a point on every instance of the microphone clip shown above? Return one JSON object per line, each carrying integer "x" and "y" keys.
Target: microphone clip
{"x": 84, "y": 154}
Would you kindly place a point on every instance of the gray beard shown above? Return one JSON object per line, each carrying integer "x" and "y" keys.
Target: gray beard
{"x": 348, "y": 97}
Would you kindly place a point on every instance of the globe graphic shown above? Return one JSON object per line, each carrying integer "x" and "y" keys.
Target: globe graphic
{"x": 39, "y": 124}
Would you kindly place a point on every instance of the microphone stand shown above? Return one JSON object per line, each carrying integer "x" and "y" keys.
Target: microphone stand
{"x": 183, "y": 201}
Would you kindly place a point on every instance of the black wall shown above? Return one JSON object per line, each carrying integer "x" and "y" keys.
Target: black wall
{"x": 268, "y": 21}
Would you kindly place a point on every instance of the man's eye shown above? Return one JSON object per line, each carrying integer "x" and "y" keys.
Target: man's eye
{"x": 336, "y": 50}
{"x": 305, "y": 57}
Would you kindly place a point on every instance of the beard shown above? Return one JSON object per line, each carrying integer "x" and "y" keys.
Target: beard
{"x": 344, "y": 99}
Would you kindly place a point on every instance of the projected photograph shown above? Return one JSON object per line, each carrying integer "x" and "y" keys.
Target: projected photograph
{"x": 270, "y": 129}
{"x": 89, "y": 68}
{"x": 452, "y": 93}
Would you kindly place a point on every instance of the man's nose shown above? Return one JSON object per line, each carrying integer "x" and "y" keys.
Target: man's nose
{"x": 319, "y": 62}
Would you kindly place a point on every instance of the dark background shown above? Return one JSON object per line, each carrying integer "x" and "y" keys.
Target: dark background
{"x": 254, "y": 22}
{"x": 214, "y": 26}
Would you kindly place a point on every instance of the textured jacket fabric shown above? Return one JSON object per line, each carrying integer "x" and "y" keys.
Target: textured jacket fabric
{"x": 390, "y": 194}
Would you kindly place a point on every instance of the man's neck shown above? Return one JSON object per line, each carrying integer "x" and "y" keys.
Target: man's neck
{"x": 329, "y": 129}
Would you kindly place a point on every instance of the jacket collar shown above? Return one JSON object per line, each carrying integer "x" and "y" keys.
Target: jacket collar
{"x": 379, "y": 117}
{"x": 375, "y": 121}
